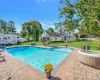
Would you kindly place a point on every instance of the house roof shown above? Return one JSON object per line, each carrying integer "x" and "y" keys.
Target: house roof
{"x": 53, "y": 34}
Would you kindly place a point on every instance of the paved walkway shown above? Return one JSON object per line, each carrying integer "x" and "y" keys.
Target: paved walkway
{"x": 72, "y": 69}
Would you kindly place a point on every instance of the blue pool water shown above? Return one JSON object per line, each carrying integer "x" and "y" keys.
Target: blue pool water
{"x": 37, "y": 57}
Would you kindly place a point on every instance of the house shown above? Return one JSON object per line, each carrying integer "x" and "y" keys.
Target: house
{"x": 53, "y": 36}
{"x": 10, "y": 39}
{"x": 60, "y": 35}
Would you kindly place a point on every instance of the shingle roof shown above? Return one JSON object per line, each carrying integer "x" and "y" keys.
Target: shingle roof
{"x": 53, "y": 34}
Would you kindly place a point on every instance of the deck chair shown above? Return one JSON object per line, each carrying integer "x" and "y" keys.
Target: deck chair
{"x": 1, "y": 50}
{"x": 2, "y": 58}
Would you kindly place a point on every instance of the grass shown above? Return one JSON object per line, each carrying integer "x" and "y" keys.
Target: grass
{"x": 92, "y": 44}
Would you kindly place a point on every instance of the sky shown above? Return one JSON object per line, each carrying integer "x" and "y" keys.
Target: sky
{"x": 20, "y": 11}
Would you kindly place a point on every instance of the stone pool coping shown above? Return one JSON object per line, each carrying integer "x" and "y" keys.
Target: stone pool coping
{"x": 40, "y": 73}
{"x": 26, "y": 64}
{"x": 72, "y": 69}
{"x": 40, "y": 46}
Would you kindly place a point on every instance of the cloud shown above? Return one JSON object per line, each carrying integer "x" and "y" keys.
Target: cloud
{"x": 50, "y": 1}
{"x": 43, "y": 6}
{"x": 47, "y": 24}
{"x": 41, "y": 3}
{"x": 40, "y": 0}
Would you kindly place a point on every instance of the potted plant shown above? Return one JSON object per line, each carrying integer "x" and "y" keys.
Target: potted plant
{"x": 66, "y": 46}
{"x": 48, "y": 68}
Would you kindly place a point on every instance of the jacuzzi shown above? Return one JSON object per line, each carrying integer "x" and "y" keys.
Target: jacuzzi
{"x": 90, "y": 58}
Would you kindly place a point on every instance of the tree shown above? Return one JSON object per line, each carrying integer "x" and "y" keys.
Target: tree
{"x": 69, "y": 14}
{"x": 83, "y": 15}
{"x": 58, "y": 25}
{"x": 11, "y": 26}
{"x": 50, "y": 29}
{"x": 6, "y": 27}
{"x": 3, "y": 26}
{"x": 89, "y": 13}
{"x": 31, "y": 29}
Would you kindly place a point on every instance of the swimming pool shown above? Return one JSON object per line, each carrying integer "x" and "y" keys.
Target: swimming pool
{"x": 37, "y": 57}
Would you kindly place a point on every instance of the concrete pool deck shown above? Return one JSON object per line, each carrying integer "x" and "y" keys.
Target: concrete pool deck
{"x": 71, "y": 69}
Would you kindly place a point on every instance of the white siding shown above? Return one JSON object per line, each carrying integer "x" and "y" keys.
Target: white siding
{"x": 10, "y": 38}
{"x": 22, "y": 39}
{"x": 44, "y": 34}
{"x": 56, "y": 39}
{"x": 69, "y": 33}
{"x": 70, "y": 36}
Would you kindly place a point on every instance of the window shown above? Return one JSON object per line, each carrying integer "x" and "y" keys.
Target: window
{"x": 8, "y": 37}
{"x": 5, "y": 38}
{"x": 69, "y": 32}
{"x": 55, "y": 38}
{"x": 69, "y": 37}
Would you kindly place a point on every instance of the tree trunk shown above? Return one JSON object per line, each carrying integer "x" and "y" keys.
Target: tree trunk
{"x": 36, "y": 35}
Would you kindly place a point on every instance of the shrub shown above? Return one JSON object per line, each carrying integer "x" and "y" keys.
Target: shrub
{"x": 77, "y": 39}
{"x": 66, "y": 46}
{"x": 98, "y": 45}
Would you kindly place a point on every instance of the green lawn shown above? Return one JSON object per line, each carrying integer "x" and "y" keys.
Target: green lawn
{"x": 92, "y": 44}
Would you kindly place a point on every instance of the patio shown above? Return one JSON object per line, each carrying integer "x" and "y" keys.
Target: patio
{"x": 72, "y": 69}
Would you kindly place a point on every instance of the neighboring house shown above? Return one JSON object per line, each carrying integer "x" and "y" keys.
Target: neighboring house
{"x": 10, "y": 39}
{"x": 53, "y": 36}
{"x": 70, "y": 36}
{"x": 60, "y": 35}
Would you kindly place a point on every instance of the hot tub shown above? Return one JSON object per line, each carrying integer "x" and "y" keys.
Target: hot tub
{"x": 90, "y": 58}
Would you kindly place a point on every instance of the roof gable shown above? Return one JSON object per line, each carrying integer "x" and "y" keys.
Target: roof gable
{"x": 53, "y": 34}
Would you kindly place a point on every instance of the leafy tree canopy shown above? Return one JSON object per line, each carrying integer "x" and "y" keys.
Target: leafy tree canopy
{"x": 6, "y": 27}
{"x": 68, "y": 12}
{"x": 89, "y": 12}
{"x": 50, "y": 29}
{"x": 31, "y": 29}
{"x": 83, "y": 15}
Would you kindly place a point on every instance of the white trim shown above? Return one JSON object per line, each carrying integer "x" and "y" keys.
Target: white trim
{"x": 88, "y": 54}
